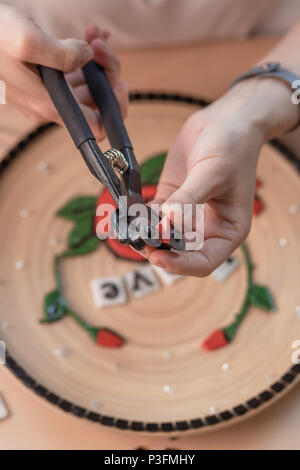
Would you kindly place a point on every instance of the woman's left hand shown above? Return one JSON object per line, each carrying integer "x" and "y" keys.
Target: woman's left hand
{"x": 213, "y": 161}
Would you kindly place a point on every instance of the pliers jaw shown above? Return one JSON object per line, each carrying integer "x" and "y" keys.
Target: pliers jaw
{"x": 140, "y": 233}
{"x": 134, "y": 232}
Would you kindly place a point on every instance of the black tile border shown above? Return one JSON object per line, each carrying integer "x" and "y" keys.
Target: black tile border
{"x": 226, "y": 415}
{"x": 240, "y": 410}
{"x": 138, "y": 426}
{"x": 266, "y": 395}
{"x": 277, "y": 387}
{"x": 212, "y": 419}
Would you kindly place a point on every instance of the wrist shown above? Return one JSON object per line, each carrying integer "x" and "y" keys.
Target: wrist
{"x": 264, "y": 105}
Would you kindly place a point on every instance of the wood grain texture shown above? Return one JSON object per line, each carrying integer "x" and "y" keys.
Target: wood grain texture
{"x": 129, "y": 383}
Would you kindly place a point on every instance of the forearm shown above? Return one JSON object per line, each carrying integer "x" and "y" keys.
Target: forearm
{"x": 266, "y": 102}
{"x": 286, "y": 51}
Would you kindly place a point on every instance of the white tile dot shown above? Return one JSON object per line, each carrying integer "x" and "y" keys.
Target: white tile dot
{"x": 297, "y": 310}
{"x": 167, "y": 354}
{"x": 225, "y": 366}
{"x": 24, "y": 213}
{"x": 52, "y": 241}
{"x": 270, "y": 377}
{"x": 169, "y": 389}
{"x": 95, "y": 404}
{"x": 212, "y": 410}
{"x": 283, "y": 241}
{"x": 4, "y": 325}
{"x": 294, "y": 208}
{"x": 19, "y": 264}
{"x": 43, "y": 166}
{"x": 61, "y": 352}
{"x": 151, "y": 121}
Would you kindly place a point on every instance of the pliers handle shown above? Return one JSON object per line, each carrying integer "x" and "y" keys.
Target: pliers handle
{"x": 121, "y": 157}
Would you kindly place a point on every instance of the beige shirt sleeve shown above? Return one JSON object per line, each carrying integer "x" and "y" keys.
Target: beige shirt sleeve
{"x": 145, "y": 23}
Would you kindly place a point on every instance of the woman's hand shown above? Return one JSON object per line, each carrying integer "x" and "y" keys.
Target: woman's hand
{"x": 213, "y": 161}
{"x": 23, "y": 44}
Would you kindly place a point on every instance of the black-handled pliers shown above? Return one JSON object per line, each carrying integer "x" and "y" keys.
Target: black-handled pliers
{"x": 117, "y": 169}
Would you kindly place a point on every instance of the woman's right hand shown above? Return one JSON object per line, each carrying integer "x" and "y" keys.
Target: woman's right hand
{"x": 23, "y": 45}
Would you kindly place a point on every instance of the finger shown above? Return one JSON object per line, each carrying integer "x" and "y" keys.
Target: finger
{"x": 93, "y": 118}
{"x": 28, "y": 92}
{"x": 42, "y": 113}
{"x": 93, "y": 32}
{"x": 173, "y": 172}
{"x": 84, "y": 96}
{"x": 146, "y": 251}
{"x": 65, "y": 55}
{"x": 106, "y": 34}
{"x": 105, "y": 57}
{"x": 201, "y": 263}
{"x": 176, "y": 168}
{"x": 75, "y": 78}
{"x": 77, "y": 81}
{"x": 32, "y": 45}
{"x": 206, "y": 181}
{"x": 201, "y": 184}
{"x": 22, "y": 39}
{"x": 121, "y": 92}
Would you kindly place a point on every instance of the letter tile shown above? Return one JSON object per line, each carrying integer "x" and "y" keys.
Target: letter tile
{"x": 225, "y": 269}
{"x": 167, "y": 278}
{"x": 108, "y": 291}
{"x": 141, "y": 282}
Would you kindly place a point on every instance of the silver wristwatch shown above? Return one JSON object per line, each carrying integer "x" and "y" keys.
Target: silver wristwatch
{"x": 273, "y": 70}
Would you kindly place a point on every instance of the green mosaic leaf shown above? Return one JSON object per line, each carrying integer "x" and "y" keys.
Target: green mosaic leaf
{"x": 81, "y": 232}
{"x": 151, "y": 169}
{"x": 231, "y": 330}
{"x": 54, "y": 307}
{"x": 88, "y": 245}
{"x": 83, "y": 206}
{"x": 94, "y": 331}
{"x": 261, "y": 297}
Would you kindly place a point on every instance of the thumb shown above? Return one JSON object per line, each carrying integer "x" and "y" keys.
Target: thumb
{"x": 203, "y": 182}
{"x": 28, "y": 43}
{"x": 62, "y": 54}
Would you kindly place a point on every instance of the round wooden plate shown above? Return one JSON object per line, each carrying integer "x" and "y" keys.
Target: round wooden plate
{"x": 160, "y": 380}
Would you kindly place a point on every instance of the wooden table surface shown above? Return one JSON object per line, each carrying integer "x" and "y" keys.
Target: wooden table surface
{"x": 204, "y": 70}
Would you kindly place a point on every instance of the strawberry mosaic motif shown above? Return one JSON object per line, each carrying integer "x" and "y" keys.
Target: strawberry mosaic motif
{"x": 121, "y": 250}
